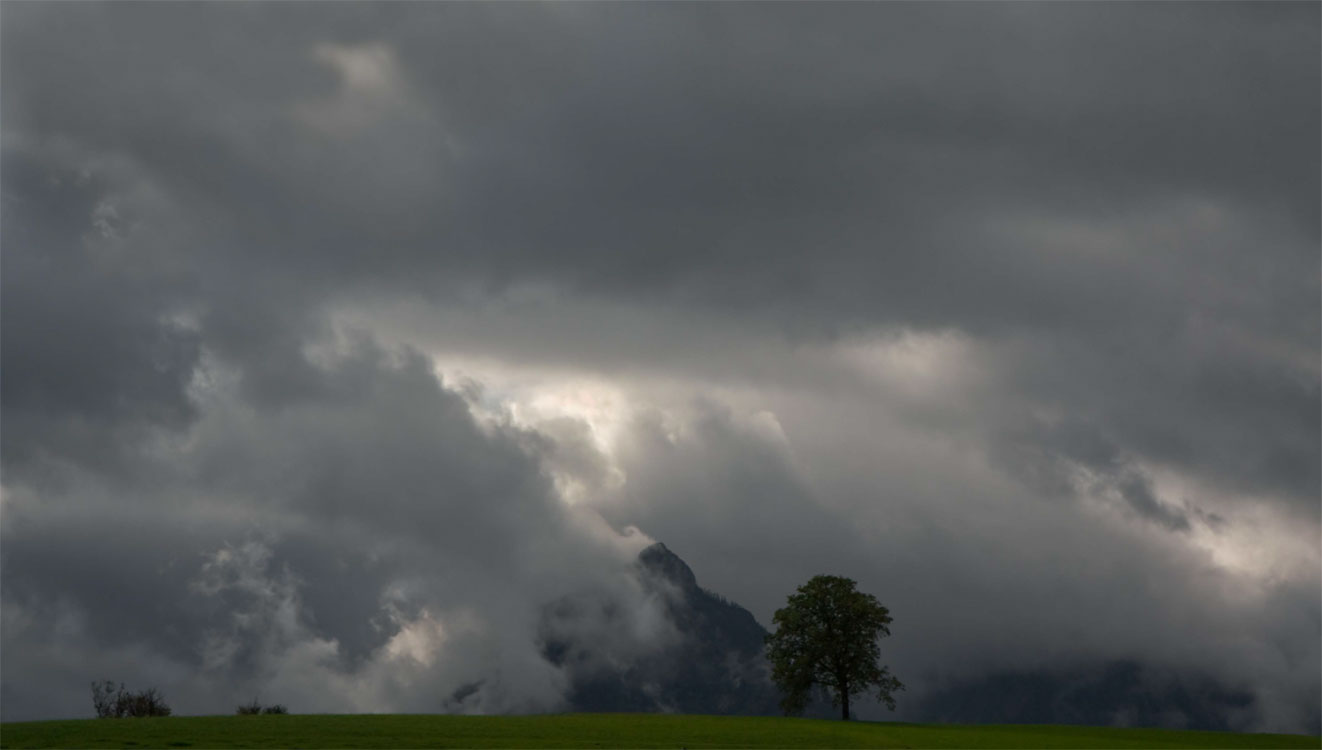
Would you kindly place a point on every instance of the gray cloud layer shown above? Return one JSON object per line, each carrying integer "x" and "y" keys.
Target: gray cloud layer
{"x": 1011, "y": 311}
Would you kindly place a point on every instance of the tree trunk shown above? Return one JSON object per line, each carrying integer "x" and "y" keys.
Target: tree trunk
{"x": 844, "y": 704}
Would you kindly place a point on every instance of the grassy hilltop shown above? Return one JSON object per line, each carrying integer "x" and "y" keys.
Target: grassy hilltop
{"x": 593, "y": 730}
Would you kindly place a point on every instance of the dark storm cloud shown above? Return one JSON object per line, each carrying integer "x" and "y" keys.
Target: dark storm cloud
{"x": 90, "y": 360}
{"x": 1111, "y": 210}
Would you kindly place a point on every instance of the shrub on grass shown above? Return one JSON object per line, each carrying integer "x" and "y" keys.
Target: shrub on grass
{"x": 254, "y": 708}
{"x": 113, "y": 702}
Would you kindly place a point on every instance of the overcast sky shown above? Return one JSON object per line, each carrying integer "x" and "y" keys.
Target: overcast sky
{"x": 339, "y": 338}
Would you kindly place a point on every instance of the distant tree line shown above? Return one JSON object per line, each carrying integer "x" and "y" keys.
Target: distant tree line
{"x": 113, "y": 701}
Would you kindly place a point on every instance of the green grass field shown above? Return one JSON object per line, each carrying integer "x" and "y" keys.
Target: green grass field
{"x": 592, "y": 730}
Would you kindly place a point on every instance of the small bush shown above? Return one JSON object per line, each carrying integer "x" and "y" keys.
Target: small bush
{"x": 113, "y": 702}
{"x": 146, "y": 703}
{"x": 254, "y": 708}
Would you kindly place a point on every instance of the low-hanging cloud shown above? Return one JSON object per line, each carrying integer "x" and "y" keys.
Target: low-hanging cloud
{"x": 368, "y": 547}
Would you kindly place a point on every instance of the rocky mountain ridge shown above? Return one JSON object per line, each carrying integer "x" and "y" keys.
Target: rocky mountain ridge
{"x": 699, "y": 653}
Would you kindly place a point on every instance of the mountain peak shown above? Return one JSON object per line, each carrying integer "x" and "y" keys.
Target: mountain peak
{"x": 716, "y": 664}
{"x": 660, "y": 561}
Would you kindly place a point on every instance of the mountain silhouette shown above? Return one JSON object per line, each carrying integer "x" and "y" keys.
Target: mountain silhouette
{"x": 688, "y": 650}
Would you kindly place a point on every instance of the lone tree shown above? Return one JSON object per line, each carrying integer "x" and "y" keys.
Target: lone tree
{"x": 826, "y": 636}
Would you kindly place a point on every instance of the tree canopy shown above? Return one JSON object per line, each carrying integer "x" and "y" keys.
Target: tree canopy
{"x": 827, "y": 636}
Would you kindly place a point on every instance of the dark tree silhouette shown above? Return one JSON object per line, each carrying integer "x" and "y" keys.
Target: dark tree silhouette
{"x": 118, "y": 703}
{"x": 826, "y": 636}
